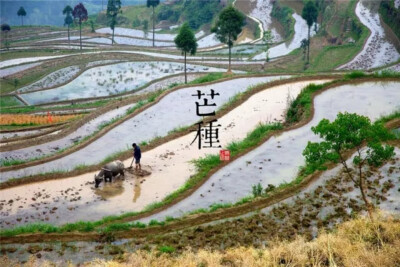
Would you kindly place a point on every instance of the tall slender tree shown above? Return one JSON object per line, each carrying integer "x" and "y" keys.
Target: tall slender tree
{"x": 5, "y": 28}
{"x": 21, "y": 13}
{"x": 186, "y": 42}
{"x": 310, "y": 15}
{"x": 80, "y": 14}
{"x": 68, "y": 18}
{"x": 153, "y": 4}
{"x": 228, "y": 26}
{"x": 113, "y": 9}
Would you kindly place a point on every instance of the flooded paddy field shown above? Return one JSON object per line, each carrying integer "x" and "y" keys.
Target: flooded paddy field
{"x": 168, "y": 160}
{"x": 56, "y": 78}
{"x": 12, "y": 70}
{"x": 383, "y": 189}
{"x": 186, "y": 198}
{"x": 140, "y": 128}
{"x": 49, "y": 148}
{"x": 7, "y": 135}
{"x": 378, "y": 50}
{"x": 262, "y": 11}
{"x": 300, "y": 33}
{"x": 330, "y": 200}
{"x": 142, "y": 34}
{"x": 111, "y": 79}
{"x": 278, "y": 160}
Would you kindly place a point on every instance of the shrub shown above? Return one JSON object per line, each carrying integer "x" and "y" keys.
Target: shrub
{"x": 166, "y": 249}
{"x": 257, "y": 190}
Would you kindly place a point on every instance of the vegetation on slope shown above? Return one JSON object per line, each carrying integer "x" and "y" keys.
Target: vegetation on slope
{"x": 196, "y": 13}
{"x": 284, "y": 15}
{"x": 390, "y": 15}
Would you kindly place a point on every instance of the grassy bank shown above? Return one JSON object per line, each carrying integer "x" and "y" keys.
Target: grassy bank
{"x": 28, "y": 109}
{"x": 8, "y": 101}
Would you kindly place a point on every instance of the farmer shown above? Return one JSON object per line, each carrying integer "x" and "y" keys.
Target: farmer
{"x": 137, "y": 154}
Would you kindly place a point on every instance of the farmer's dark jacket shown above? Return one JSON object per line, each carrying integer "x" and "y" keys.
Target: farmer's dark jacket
{"x": 137, "y": 153}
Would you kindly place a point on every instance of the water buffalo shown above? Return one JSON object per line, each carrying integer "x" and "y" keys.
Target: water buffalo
{"x": 109, "y": 171}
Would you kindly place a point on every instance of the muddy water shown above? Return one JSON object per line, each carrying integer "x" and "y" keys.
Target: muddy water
{"x": 300, "y": 33}
{"x": 140, "y": 42}
{"x": 17, "y": 61}
{"x": 386, "y": 172}
{"x": 56, "y": 78}
{"x": 76, "y": 199}
{"x": 208, "y": 41}
{"x": 16, "y": 69}
{"x": 395, "y": 68}
{"x": 112, "y": 79}
{"x": 174, "y": 110}
{"x": 279, "y": 159}
{"x": 54, "y": 146}
{"x": 87, "y": 129}
{"x": 378, "y": 50}
{"x": 21, "y": 133}
{"x": 141, "y": 34}
{"x": 239, "y": 49}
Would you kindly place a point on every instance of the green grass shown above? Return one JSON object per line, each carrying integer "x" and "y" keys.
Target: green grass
{"x": 253, "y": 138}
{"x": 210, "y": 78}
{"x": 386, "y": 118}
{"x": 332, "y": 56}
{"x": 81, "y": 167}
{"x": 19, "y": 110}
{"x": 8, "y": 101}
{"x": 26, "y": 109}
{"x": 167, "y": 249}
{"x": 121, "y": 227}
{"x": 302, "y": 104}
{"x": 355, "y": 74}
{"x": 7, "y": 86}
{"x": 113, "y": 156}
{"x": 386, "y": 74}
{"x": 155, "y": 222}
{"x": 10, "y": 162}
{"x": 178, "y": 129}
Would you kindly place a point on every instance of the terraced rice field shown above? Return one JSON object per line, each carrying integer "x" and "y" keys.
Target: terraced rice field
{"x": 105, "y": 98}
